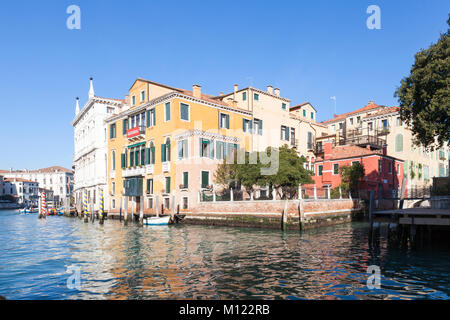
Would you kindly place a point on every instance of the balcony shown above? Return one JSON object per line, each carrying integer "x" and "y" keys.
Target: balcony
{"x": 149, "y": 169}
{"x": 383, "y": 131}
{"x": 136, "y": 133}
{"x": 132, "y": 172}
{"x": 166, "y": 166}
{"x": 373, "y": 141}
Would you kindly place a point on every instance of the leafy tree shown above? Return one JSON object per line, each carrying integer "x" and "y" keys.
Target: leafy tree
{"x": 225, "y": 174}
{"x": 424, "y": 96}
{"x": 351, "y": 176}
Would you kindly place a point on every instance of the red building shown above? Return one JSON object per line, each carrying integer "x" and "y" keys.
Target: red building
{"x": 383, "y": 173}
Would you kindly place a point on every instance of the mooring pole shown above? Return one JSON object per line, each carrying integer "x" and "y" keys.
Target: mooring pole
{"x": 284, "y": 216}
{"x": 85, "y": 207}
{"x": 125, "y": 219}
{"x": 120, "y": 209}
{"x": 141, "y": 210}
{"x": 371, "y": 201}
{"x": 101, "y": 208}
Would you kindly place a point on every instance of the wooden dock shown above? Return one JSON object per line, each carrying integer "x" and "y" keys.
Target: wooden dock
{"x": 414, "y": 216}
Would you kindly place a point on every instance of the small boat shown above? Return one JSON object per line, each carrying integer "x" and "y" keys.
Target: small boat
{"x": 157, "y": 221}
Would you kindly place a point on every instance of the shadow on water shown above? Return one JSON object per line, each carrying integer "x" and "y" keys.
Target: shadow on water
{"x": 202, "y": 262}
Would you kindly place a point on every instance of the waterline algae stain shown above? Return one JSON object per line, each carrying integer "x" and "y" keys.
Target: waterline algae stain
{"x": 64, "y": 258}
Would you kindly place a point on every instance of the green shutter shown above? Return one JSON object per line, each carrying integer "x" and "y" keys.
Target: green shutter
{"x": 167, "y": 184}
{"x": 136, "y": 157}
{"x": 122, "y": 160}
{"x": 205, "y": 179}
{"x": 152, "y": 150}
{"x": 243, "y": 125}
{"x": 185, "y": 179}
{"x": 211, "y": 149}
{"x": 287, "y": 133}
{"x": 201, "y": 146}
{"x": 227, "y": 117}
{"x": 147, "y": 118}
{"x": 163, "y": 153}
{"x": 131, "y": 158}
{"x": 143, "y": 156}
{"x": 168, "y": 151}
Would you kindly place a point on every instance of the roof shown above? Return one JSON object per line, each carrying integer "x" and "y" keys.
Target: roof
{"x": 370, "y": 106}
{"x": 301, "y": 105}
{"x": 254, "y": 89}
{"x": 351, "y": 151}
{"x": 383, "y": 111}
{"x": 18, "y": 180}
{"x": 43, "y": 170}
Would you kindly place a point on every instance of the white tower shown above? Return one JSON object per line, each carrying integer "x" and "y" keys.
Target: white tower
{"x": 91, "y": 90}
{"x": 77, "y": 106}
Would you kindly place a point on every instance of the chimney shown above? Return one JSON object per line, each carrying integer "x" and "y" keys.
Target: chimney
{"x": 371, "y": 102}
{"x": 277, "y": 92}
{"x": 197, "y": 91}
{"x": 127, "y": 99}
{"x": 270, "y": 89}
{"x": 236, "y": 88}
{"x": 221, "y": 94}
{"x": 77, "y": 106}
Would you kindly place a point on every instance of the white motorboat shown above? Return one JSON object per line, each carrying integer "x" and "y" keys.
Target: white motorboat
{"x": 157, "y": 221}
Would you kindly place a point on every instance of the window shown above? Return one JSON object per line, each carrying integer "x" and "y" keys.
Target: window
{"x": 142, "y": 96}
{"x": 167, "y": 203}
{"x": 167, "y": 185}
{"x": 185, "y": 203}
{"x": 206, "y": 148}
{"x": 220, "y": 150}
{"x": 333, "y": 128}
{"x": 380, "y": 165}
{"x": 165, "y": 151}
{"x": 246, "y": 125}
{"x": 354, "y": 162}
{"x": 112, "y": 131}
{"x": 124, "y": 126}
{"x": 351, "y": 121}
{"x": 224, "y": 121}
{"x": 113, "y": 203}
{"x": 284, "y": 133}
{"x": 336, "y": 168}
{"x": 150, "y": 203}
{"x": 167, "y": 112}
{"x": 304, "y": 113}
{"x": 258, "y": 125}
{"x": 183, "y": 149}
{"x": 312, "y": 115}
{"x": 293, "y": 136}
{"x": 309, "y": 142}
{"x": 113, "y": 160}
{"x": 185, "y": 180}
{"x": 385, "y": 123}
{"x": 398, "y": 168}
{"x": 358, "y": 119}
{"x": 244, "y": 96}
{"x": 205, "y": 179}
{"x": 133, "y": 100}
{"x": 390, "y": 167}
{"x": 283, "y": 106}
{"x": 399, "y": 122}
{"x": 256, "y": 97}
{"x": 150, "y": 186}
{"x": 370, "y": 126}
{"x": 320, "y": 170}
{"x": 184, "y": 111}
{"x": 399, "y": 143}
{"x": 113, "y": 187}
{"x": 341, "y": 125}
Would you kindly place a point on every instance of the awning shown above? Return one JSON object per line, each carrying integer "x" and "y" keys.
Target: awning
{"x": 136, "y": 145}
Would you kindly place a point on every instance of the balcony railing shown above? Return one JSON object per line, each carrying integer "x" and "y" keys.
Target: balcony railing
{"x": 130, "y": 172}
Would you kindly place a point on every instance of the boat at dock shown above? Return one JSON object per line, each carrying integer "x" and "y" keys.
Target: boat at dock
{"x": 157, "y": 221}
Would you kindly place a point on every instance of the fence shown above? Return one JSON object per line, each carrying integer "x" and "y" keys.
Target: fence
{"x": 306, "y": 193}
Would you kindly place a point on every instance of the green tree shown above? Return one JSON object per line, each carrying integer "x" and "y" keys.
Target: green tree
{"x": 351, "y": 176}
{"x": 225, "y": 175}
{"x": 424, "y": 96}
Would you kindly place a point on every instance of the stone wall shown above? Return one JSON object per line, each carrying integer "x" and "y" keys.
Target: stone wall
{"x": 268, "y": 214}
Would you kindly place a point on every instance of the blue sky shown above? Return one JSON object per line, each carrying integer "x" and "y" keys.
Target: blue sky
{"x": 311, "y": 50}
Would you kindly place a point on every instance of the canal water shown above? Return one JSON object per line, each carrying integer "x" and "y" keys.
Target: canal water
{"x": 44, "y": 259}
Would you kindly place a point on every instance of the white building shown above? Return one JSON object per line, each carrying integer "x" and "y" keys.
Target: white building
{"x": 56, "y": 178}
{"x": 91, "y": 146}
{"x": 26, "y": 191}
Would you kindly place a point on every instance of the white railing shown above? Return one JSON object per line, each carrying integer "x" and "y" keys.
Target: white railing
{"x": 149, "y": 169}
{"x": 133, "y": 172}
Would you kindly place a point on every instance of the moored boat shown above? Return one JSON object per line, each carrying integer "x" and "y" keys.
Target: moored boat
{"x": 157, "y": 221}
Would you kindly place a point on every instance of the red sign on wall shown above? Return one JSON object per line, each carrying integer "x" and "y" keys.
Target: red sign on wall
{"x": 133, "y": 132}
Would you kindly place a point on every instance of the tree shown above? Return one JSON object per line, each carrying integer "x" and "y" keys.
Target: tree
{"x": 351, "y": 176}
{"x": 424, "y": 96}
{"x": 291, "y": 172}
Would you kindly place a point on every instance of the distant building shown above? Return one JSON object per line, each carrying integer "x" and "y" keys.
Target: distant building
{"x": 56, "y": 178}
{"x": 1, "y": 186}
{"x": 26, "y": 191}
{"x": 90, "y": 147}
{"x": 383, "y": 173}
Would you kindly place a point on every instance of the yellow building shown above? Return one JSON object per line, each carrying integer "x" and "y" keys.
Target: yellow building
{"x": 165, "y": 145}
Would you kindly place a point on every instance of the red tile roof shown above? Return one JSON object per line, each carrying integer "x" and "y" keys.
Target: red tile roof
{"x": 18, "y": 180}
{"x": 342, "y": 116}
{"x": 43, "y": 170}
{"x": 383, "y": 111}
{"x": 351, "y": 151}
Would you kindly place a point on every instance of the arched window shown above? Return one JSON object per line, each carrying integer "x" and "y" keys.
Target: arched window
{"x": 399, "y": 143}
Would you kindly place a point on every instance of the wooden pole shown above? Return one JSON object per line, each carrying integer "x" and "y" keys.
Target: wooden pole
{"x": 284, "y": 217}
{"x": 120, "y": 209}
{"x": 85, "y": 208}
{"x": 141, "y": 210}
{"x": 101, "y": 208}
{"x": 371, "y": 202}
{"x": 125, "y": 219}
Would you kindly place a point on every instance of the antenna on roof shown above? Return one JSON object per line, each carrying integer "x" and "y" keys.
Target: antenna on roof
{"x": 250, "y": 79}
